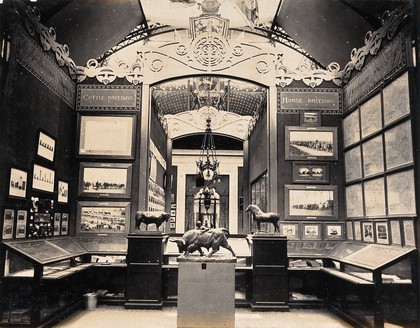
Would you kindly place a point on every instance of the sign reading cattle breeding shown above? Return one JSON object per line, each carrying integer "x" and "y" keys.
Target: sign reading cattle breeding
{"x": 112, "y": 97}
{"x": 296, "y": 99}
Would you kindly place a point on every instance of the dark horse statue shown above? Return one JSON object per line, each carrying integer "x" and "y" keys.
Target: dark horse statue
{"x": 259, "y": 216}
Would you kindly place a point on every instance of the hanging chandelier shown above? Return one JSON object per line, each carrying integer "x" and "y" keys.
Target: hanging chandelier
{"x": 207, "y": 165}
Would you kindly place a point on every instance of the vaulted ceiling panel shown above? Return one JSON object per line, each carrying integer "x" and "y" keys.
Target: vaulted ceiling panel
{"x": 327, "y": 29}
{"x": 91, "y": 27}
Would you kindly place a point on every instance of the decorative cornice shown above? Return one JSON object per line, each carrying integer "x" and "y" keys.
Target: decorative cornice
{"x": 373, "y": 40}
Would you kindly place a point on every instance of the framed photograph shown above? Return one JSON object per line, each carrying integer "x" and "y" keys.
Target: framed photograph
{"x": 353, "y": 164}
{"x": 367, "y": 231}
{"x": 382, "y": 232}
{"x": 351, "y": 128}
{"x": 290, "y": 230}
{"x": 43, "y": 178}
{"x": 357, "y": 231}
{"x": 18, "y": 183}
{"x": 396, "y": 99}
{"x": 395, "y": 232}
{"x": 57, "y": 224}
{"x": 106, "y": 136}
{"x": 311, "y": 231}
{"x": 354, "y": 201}
{"x": 349, "y": 230}
{"x": 306, "y": 172}
{"x": 408, "y": 229}
{"x": 63, "y": 192}
{"x": 22, "y": 218}
{"x": 311, "y": 202}
{"x": 106, "y": 180}
{"x": 311, "y": 143}
{"x": 333, "y": 231}
{"x": 8, "y": 223}
{"x": 64, "y": 224}
{"x": 373, "y": 156}
{"x": 374, "y": 192}
{"x": 401, "y": 193}
{"x": 103, "y": 217}
{"x": 371, "y": 116}
{"x": 399, "y": 146}
{"x": 46, "y": 146}
{"x": 310, "y": 118}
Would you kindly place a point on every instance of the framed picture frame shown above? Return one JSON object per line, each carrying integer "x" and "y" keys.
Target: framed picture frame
{"x": 371, "y": 116}
{"x": 105, "y": 180}
{"x": 46, "y": 146}
{"x": 102, "y": 218}
{"x": 307, "y": 172}
{"x": 21, "y": 223}
{"x": 311, "y": 143}
{"x": 311, "y": 202}
{"x": 351, "y": 128}
{"x": 349, "y": 230}
{"x": 374, "y": 197}
{"x": 399, "y": 146}
{"x": 408, "y": 230}
{"x": 401, "y": 194}
{"x": 333, "y": 231}
{"x": 290, "y": 230}
{"x": 64, "y": 230}
{"x": 357, "y": 230}
{"x": 57, "y": 224}
{"x": 311, "y": 231}
{"x": 43, "y": 178}
{"x": 172, "y": 225}
{"x": 62, "y": 192}
{"x": 395, "y": 232}
{"x": 353, "y": 164}
{"x": 367, "y": 231}
{"x": 373, "y": 156}
{"x": 310, "y": 118}
{"x": 18, "y": 183}
{"x": 8, "y": 223}
{"x": 396, "y": 100}
{"x": 382, "y": 232}
{"x": 354, "y": 201}
{"x": 98, "y": 135}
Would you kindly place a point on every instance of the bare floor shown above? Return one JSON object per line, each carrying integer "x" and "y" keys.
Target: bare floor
{"x": 116, "y": 316}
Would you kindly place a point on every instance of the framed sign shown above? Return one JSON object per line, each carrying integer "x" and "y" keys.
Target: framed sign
{"x": 399, "y": 146}
{"x": 43, "y": 178}
{"x": 46, "y": 146}
{"x": 310, "y": 118}
{"x": 373, "y": 156}
{"x": 307, "y": 172}
{"x": 353, "y": 164}
{"x": 382, "y": 232}
{"x": 311, "y": 231}
{"x": 57, "y": 224}
{"x": 64, "y": 224}
{"x": 22, "y": 218}
{"x": 333, "y": 231}
{"x": 367, "y": 231}
{"x": 106, "y": 136}
{"x": 18, "y": 183}
{"x": 311, "y": 202}
{"x": 395, "y": 232}
{"x": 63, "y": 192}
{"x": 290, "y": 230}
{"x": 105, "y": 180}
{"x": 354, "y": 201}
{"x": 371, "y": 116}
{"x": 311, "y": 143}
{"x": 8, "y": 223}
{"x": 103, "y": 217}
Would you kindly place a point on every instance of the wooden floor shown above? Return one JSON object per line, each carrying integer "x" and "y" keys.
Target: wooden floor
{"x": 117, "y": 317}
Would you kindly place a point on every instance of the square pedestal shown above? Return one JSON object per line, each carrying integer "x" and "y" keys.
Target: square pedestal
{"x": 206, "y": 291}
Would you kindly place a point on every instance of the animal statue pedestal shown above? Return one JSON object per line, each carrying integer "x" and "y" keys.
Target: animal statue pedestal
{"x": 270, "y": 286}
{"x": 143, "y": 288}
{"x": 206, "y": 291}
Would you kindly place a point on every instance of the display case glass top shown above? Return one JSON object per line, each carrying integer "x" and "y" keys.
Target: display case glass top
{"x": 100, "y": 245}
{"x": 344, "y": 249}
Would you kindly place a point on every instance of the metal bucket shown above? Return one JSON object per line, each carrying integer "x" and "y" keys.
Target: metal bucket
{"x": 91, "y": 300}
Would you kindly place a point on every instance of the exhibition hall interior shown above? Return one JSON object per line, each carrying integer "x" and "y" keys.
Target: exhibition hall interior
{"x": 208, "y": 157}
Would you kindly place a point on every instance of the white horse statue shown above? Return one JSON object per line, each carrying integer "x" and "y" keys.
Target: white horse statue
{"x": 259, "y": 216}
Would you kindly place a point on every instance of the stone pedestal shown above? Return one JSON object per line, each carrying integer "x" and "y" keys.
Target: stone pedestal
{"x": 206, "y": 291}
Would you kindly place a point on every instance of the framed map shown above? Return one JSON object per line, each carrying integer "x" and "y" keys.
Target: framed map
{"x": 353, "y": 164}
{"x": 354, "y": 201}
{"x": 375, "y": 197}
{"x": 371, "y": 116}
{"x": 396, "y": 99}
{"x": 399, "y": 146}
{"x": 373, "y": 156}
{"x": 351, "y": 128}
{"x": 401, "y": 193}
